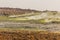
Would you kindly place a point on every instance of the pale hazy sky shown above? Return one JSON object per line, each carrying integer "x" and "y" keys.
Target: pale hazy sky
{"x": 32, "y": 4}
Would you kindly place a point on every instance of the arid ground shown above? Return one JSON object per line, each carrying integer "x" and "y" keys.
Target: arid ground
{"x": 26, "y": 24}
{"x": 26, "y": 31}
{"x": 28, "y": 35}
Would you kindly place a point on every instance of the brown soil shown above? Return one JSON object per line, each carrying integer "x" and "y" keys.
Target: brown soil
{"x": 28, "y": 35}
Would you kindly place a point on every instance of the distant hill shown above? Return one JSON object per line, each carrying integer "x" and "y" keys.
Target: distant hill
{"x": 18, "y": 11}
{"x": 15, "y": 11}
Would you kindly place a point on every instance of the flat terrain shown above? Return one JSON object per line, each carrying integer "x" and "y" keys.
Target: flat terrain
{"x": 53, "y": 27}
